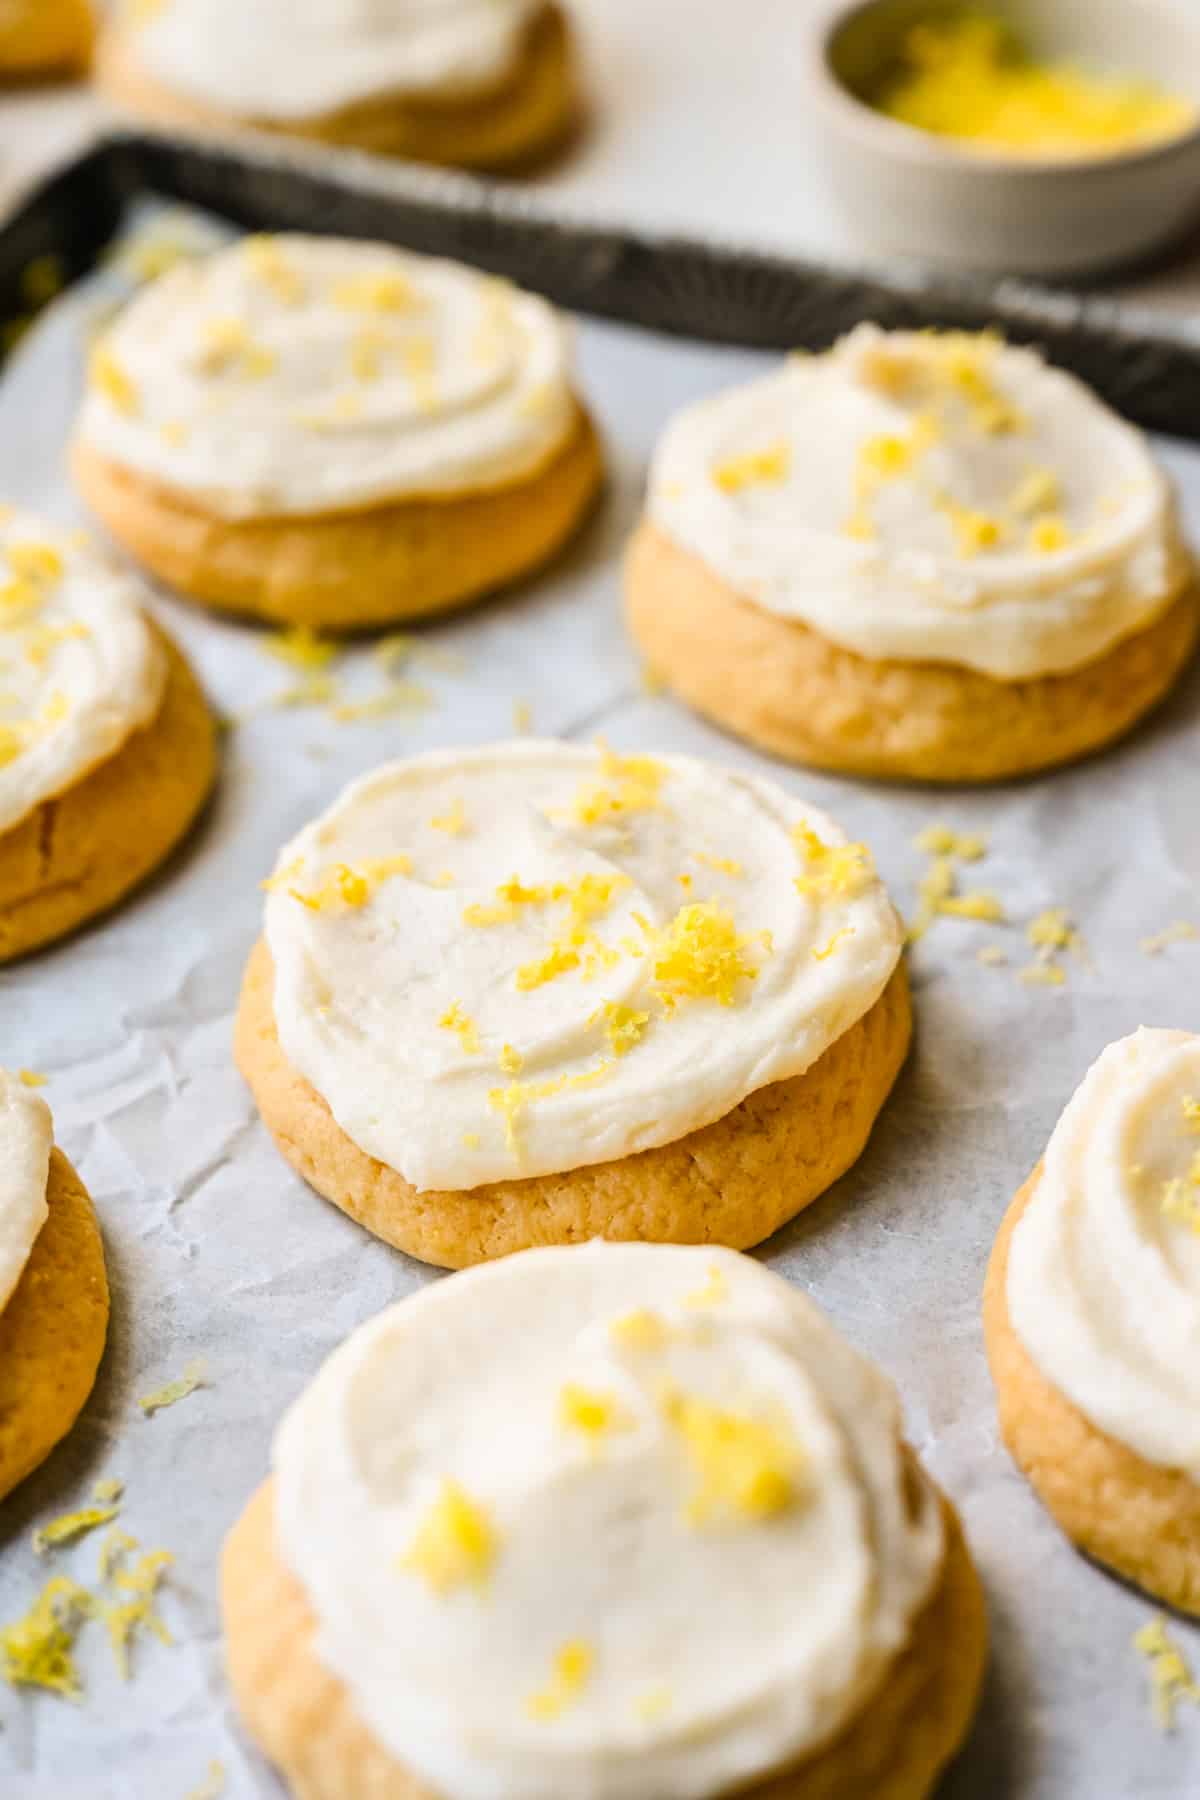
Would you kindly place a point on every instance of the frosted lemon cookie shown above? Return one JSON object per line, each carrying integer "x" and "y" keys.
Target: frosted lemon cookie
{"x": 535, "y": 993}
{"x": 44, "y": 37}
{"x": 921, "y": 555}
{"x": 477, "y": 83}
{"x": 106, "y": 744}
{"x": 599, "y": 1523}
{"x": 53, "y": 1289}
{"x": 1092, "y": 1314}
{"x": 335, "y": 433}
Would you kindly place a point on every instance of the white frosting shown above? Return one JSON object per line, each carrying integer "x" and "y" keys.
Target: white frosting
{"x": 361, "y": 991}
{"x": 79, "y": 668}
{"x": 26, "y": 1139}
{"x": 1104, "y": 1266}
{"x": 723, "y": 1642}
{"x": 306, "y": 375}
{"x": 878, "y": 564}
{"x": 276, "y": 60}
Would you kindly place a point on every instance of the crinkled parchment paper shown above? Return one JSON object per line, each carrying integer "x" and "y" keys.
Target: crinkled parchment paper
{"x": 216, "y": 1251}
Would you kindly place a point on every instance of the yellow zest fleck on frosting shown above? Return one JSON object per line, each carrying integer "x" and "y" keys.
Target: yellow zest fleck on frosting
{"x": 456, "y": 1543}
{"x": 106, "y": 374}
{"x": 1039, "y": 491}
{"x": 628, "y": 784}
{"x": 587, "y": 899}
{"x": 724, "y": 865}
{"x": 226, "y": 345}
{"x": 69, "y": 1526}
{"x": 31, "y": 1079}
{"x": 623, "y": 1026}
{"x": 1049, "y": 534}
{"x": 831, "y": 870}
{"x": 420, "y": 365}
{"x": 1179, "y": 932}
{"x": 655, "y": 1703}
{"x": 455, "y": 1019}
{"x": 1191, "y": 1114}
{"x": 510, "y": 895}
{"x": 974, "y": 531}
{"x": 589, "y": 1411}
{"x": 885, "y": 457}
{"x": 470, "y": 1140}
{"x": 454, "y": 823}
{"x": 194, "y": 1376}
{"x": 827, "y": 949}
{"x": 700, "y": 955}
{"x": 572, "y": 1670}
{"x": 770, "y": 465}
{"x": 512, "y": 1100}
{"x": 968, "y": 76}
{"x": 1170, "y": 1676}
{"x": 714, "y": 1292}
{"x": 348, "y": 886}
{"x": 268, "y": 264}
{"x": 510, "y": 1061}
{"x": 389, "y": 293}
{"x": 744, "y": 1467}
{"x": 39, "y": 563}
{"x": 639, "y": 1330}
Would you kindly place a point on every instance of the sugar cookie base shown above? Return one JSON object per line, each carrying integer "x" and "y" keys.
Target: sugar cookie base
{"x": 733, "y": 1182}
{"x": 52, "y": 1331}
{"x": 75, "y": 855}
{"x": 44, "y": 37}
{"x": 342, "y": 571}
{"x": 303, "y": 1717}
{"x": 793, "y": 692}
{"x": 518, "y": 120}
{"x": 1140, "y": 1520}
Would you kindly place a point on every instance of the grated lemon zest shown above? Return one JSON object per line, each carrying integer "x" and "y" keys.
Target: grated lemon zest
{"x": 69, "y": 1526}
{"x": 1171, "y": 1679}
{"x": 627, "y": 784}
{"x": 456, "y": 1543}
{"x": 454, "y": 822}
{"x": 35, "y": 1651}
{"x": 31, "y": 1079}
{"x": 639, "y": 1330}
{"x": 623, "y": 1025}
{"x": 758, "y": 466}
{"x": 389, "y": 293}
{"x": 194, "y": 1376}
{"x": 106, "y": 374}
{"x": 213, "y": 1785}
{"x": 455, "y": 1019}
{"x": 349, "y": 886}
{"x": 831, "y": 870}
{"x": 1179, "y": 932}
{"x": 589, "y": 1411}
{"x": 572, "y": 1670}
{"x": 699, "y": 955}
{"x": 744, "y": 1467}
{"x": 300, "y": 647}
{"x": 714, "y": 1292}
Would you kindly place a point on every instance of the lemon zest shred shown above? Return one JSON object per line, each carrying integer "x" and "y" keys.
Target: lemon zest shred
{"x": 590, "y": 1411}
{"x": 571, "y": 1671}
{"x": 213, "y": 1784}
{"x": 1180, "y": 931}
{"x": 69, "y": 1526}
{"x": 194, "y": 1376}
{"x": 770, "y": 465}
{"x": 300, "y": 647}
{"x": 30, "y": 1078}
{"x": 456, "y": 1544}
{"x": 455, "y": 1019}
{"x": 624, "y": 1026}
{"x": 639, "y": 1330}
{"x": 830, "y": 870}
{"x": 454, "y": 823}
{"x": 1171, "y": 1680}
{"x": 35, "y": 1650}
{"x": 627, "y": 784}
{"x": 743, "y": 1467}
{"x": 699, "y": 955}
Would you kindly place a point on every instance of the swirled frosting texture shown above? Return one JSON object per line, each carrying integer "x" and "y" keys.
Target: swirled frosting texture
{"x": 79, "y": 668}
{"x": 533, "y": 956}
{"x": 925, "y": 497}
{"x": 603, "y": 1522}
{"x": 297, "y": 375}
{"x": 26, "y": 1139}
{"x": 274, "y": 60}
{"x": 1104, "y": 1265}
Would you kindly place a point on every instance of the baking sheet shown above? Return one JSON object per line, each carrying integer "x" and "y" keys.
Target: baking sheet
{"x": 216, "y": 1251}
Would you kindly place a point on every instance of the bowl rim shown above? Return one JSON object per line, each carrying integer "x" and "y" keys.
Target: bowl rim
{"x": 913, "y": 144}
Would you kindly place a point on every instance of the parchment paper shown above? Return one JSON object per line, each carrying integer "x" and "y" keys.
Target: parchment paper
{"x": 216, "y": 1251}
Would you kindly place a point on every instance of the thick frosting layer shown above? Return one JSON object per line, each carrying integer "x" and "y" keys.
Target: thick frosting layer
{"x": 604, "y": 1522}
{"x": 927, "y": 497}
{"x": 26, "y": 1139}
{"x": 272, "y": 59}
{"x": 79, "y": 668}
{"x": 533, "y": 956}
{"x": 304, "y": 375}
{"x": 1104, "y": 1266}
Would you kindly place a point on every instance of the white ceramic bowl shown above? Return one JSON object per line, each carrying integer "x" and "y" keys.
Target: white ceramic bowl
{"x": 910, "y": 192}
